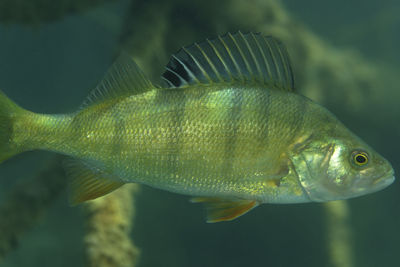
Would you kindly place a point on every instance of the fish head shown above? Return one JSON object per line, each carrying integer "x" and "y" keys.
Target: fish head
{"x": 341, "y": 167}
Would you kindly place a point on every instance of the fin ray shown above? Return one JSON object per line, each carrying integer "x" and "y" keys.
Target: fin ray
{"x": 217, "y": 53}
{"x": 239, "y": 75}
{"x": 9, "y": 113}
{"x": 209, "y": 62}
{"x": 244, "y": 58}
{"x": 253, "y": 57}
{"x": 198, "y": 64}
{"x": 87, "y": 182}
{"x": 219, "y": 209}
{"x": 124, "y": 78}
{"x": 241, "y": 53}
{"x": 186, "y": 69}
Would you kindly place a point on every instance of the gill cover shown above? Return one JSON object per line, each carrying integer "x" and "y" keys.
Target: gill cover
{"x": 312, "y": 178}
{"x": 326, "y": 170}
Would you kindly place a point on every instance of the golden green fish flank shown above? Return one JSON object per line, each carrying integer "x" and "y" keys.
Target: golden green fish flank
{"x": 228, "y": 128}
{"x": 196, "y": 141}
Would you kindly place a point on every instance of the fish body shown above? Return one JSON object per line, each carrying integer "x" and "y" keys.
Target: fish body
{"x": 210, "y": 143}
{"x": 228, "y": 129}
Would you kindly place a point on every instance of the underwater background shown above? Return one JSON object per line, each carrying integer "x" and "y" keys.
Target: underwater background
{"x": 52, "y": 53}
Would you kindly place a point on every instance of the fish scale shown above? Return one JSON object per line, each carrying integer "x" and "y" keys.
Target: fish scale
{"x": 201, "y": 147}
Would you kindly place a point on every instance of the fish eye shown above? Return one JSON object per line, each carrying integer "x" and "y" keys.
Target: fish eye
{"x": 360, "y": 158}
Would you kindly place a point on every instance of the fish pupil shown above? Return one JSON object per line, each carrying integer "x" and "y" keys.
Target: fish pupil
{"x": 361, "y": 159}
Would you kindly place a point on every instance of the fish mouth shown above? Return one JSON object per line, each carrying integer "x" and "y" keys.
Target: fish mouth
{"x": 384, "y": 181}
{"x": 374, "y": 186}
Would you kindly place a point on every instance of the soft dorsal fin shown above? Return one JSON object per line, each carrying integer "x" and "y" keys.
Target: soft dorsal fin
{"x": 232, "y": 58}
{"x": 219, "y": 209}
{"x": 124, "y": 78}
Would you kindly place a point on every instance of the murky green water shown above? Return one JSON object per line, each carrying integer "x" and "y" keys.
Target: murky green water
{"x": 50, "y": 66}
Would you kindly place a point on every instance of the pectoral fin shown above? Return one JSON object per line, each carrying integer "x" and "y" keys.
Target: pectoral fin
{"x": 86, "y": 182}
{"x": 219, "y": 209}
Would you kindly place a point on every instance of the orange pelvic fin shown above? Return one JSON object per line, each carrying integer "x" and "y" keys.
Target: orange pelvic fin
{"x": 220, "y": 209}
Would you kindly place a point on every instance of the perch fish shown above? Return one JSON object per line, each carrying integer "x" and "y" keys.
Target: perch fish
{"x": 227, "y": 128}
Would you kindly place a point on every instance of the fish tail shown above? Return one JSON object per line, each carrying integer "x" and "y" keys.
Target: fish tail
{"x": 9, "y": 113}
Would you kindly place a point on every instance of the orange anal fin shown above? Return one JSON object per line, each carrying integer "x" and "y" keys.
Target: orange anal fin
{"x": 219, "y": 209}
{"x": 87, "y": 183}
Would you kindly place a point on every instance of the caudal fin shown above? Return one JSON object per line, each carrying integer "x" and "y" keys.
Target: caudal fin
{"x": 9, "y": 112}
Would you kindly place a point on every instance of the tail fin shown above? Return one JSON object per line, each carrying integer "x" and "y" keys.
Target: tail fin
{"x": 9, "y": 111}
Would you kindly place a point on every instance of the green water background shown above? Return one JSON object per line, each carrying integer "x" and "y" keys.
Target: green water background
{"x": 50, "y": 67}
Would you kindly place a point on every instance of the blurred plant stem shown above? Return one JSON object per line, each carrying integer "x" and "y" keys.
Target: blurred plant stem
{"x": 108, "y": 219}
{"x": 339, "y": 234}
{"x": 27, "y": 203}
{"x": 108, "y": 225}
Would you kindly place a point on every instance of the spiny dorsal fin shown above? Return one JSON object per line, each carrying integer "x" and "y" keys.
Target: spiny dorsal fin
{"x": 239, "y": 58}
{"x": 87, "y": 182}
{"x": 219, "y": 209}
{"x": 124, "y": 78}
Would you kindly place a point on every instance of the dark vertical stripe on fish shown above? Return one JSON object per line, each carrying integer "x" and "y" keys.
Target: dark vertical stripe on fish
{"x": 234, "y": 118}
{"x": 172, "y": 97}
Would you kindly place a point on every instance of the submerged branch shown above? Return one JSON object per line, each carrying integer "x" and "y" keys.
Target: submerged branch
{"x": 108, "y": 219}
{"x": 108, "y": 225}
{"x": 27, "y": 203}
{"x": 339, "y": 234}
